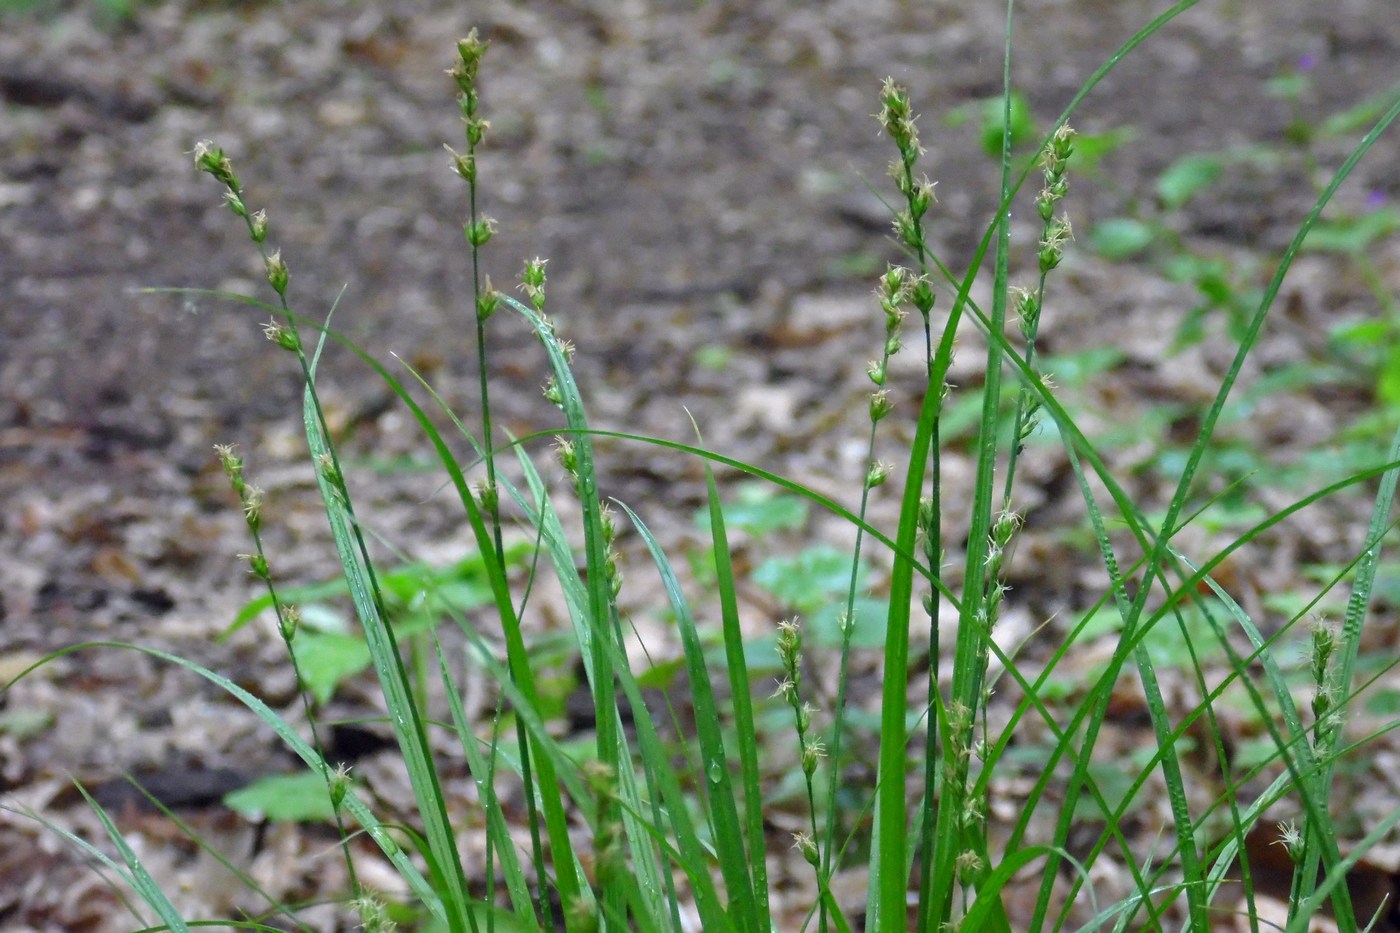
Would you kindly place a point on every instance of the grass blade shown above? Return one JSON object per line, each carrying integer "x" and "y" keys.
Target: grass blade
{"x": 394, "y": 682}
{"x": 711, "y": 743}
{"x": 741, "y": 696}
{"x": 137, "y": 876}
{"x": 888, "y": 860}
{"x": 480, "y": 768}
{"x": 293, "y": 740}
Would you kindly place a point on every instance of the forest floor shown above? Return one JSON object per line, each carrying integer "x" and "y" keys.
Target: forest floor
{"x": 706, "y": 182}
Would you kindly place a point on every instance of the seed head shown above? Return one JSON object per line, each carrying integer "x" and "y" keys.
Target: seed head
{"x": 283, "y": 336}
{"x": 329, "y": 470}
{"x": 568, "y": 456}
{"x": 1052, "y": 245}
{"x": 532, "y": 282}
{"x": 340, "y": 783}
{"x": 481, "y": 232}
{"x": 488, "y": 302}
{"x": 488, "y": 496}
{"x": 1004, "y": 527}
{"x": 921, "y": 198}
{"x": 969, "y": 865}
{"x": 288, "y": 621}
{"x": 476, "y": 129}
{"x": 803, "y": 843}
{"x": 906, "y": 229}
{"x": 374, "y": 916}
{"x": 1324, "y": 641}
{"x": 1292, "y": 841}
{"x": 257, "y": 566}
{"x": 897, "y": 118}
{"x": 252, "y": 506}
{"x": 463, "y": 165}
{"x": 553, "y": 393}
{"x": 469, "y": 53}
{"x": 277, "y": 274}
{"x": 1056, "y": 157}
{"x": 878, "y": 473}
{"x": 235, "y": 203}
{"x": 231, "y": 462}
{"x": 921, "y": 293}
{"x": 880, "y": 405}
{"x": 210, "y": 158}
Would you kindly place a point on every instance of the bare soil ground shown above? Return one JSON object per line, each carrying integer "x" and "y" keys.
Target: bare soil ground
{"x": 702, "y": 179}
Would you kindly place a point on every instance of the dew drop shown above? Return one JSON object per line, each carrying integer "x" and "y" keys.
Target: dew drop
{"x": 716, "y": 772}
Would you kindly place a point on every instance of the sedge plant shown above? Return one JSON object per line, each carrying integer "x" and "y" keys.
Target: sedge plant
{"x": 627, "y": 834}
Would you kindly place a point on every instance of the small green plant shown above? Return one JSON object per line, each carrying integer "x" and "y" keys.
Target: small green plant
{"x": 111, "y": 11}
{"x": 811, "y": 583}
{"x": 987, "y": 772}
{"x": 330, "y": 647}
{"x": 1230, "y": 287}
{"x": 996, "y": 120}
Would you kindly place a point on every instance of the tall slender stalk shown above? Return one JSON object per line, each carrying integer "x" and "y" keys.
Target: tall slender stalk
{"x": 478, "y": 231}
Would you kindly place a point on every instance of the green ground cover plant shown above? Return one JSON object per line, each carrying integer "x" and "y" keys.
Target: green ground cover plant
{"x": 114, "y": 12}
{"x": 1233, "y": 289}
{"x": 638, "y": 829}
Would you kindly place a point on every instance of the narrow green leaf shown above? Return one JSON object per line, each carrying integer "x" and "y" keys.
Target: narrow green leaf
{"x": 888, "y": 860}
{"x": 393, "y": 679}
{"x": 504, "y": 845}
{"x": 352, "y": 804}
{"x": 137, "y": 875}
{"x": 711, "y": 744}
{"x": 741, "y": 697}
{"x": 734, "y": 858}
{"x": 611, "y": 740}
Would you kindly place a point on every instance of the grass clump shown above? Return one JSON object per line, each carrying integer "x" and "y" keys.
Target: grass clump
{"x": 653, "y": 826}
